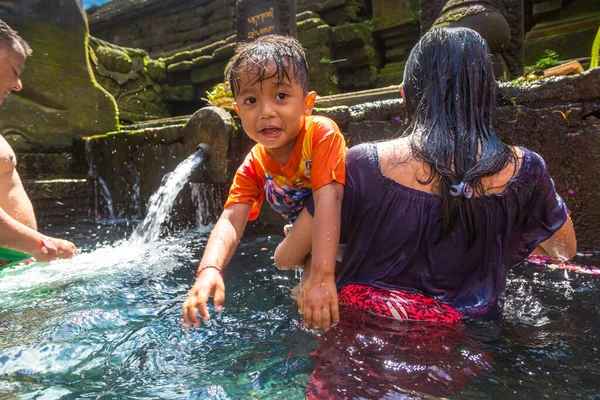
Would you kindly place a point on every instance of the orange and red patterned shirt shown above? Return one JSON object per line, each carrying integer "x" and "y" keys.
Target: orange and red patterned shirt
{"x": 318, "y": 158}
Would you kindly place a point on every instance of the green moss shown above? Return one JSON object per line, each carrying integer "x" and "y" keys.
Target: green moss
{"x": 178, "y": 93}
{"x": 65, "y": 101}
{"x": 113, "y": 59}
{"x": 350, "y": 35}
{"x": 157, "y": 71}
{"x": 180, "y": 66}
{"x": 150, "y": 132}
{"x": 310, "y": 24}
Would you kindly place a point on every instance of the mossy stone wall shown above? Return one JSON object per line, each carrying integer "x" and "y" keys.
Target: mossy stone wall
{"x": 60, "y": 99}
{"x": 556, "y": 117}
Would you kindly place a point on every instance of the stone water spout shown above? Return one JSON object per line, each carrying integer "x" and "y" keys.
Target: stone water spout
{"x": 211, "y": 129}
{"x": 481, "y": 16}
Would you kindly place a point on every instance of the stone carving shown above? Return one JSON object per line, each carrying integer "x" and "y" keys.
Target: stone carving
{"x": 60, "y": 99}
{"x": 472, "y": 13}
{"x": 480, "y": 16}
{"x": 262, "y": 17}
{"x": 132, "y": 77}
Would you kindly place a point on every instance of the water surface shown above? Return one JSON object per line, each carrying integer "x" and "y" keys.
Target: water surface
{"x": 106, "y": 325}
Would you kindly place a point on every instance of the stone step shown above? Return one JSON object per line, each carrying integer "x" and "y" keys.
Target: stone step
{"x": 59, "y": 200}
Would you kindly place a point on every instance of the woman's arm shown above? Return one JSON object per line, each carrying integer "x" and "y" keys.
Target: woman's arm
{"x": 562, "y": 245}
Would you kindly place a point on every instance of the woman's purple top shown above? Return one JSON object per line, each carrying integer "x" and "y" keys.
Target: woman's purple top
{"x": 390, "y": 232}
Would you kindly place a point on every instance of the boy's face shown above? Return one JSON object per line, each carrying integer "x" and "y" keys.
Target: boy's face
{"x": 273, "y": 112}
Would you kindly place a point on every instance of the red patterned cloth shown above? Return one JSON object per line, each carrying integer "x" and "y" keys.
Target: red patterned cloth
{"x": 396, "y": 304}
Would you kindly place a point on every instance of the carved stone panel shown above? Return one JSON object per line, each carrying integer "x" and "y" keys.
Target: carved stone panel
{"x": 262, "y": 17}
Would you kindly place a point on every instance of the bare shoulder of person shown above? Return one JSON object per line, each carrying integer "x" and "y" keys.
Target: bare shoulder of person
{"x": 8, "y": 160}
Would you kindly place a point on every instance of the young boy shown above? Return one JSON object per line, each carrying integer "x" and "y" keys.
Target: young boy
{"x": 297, "y": 155}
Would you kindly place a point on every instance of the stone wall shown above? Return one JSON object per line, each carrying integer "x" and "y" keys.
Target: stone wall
{"x": 60, "y": 100}
{"x": 565, "y": 27}
{"x": 341, "y": 59}
{"x": 341, "y": 51}
{"x": 557, "y": 117}
{"x": 167, "y": 26}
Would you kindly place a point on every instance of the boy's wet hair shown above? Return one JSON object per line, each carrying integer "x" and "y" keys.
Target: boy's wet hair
{"x": 251, "y": 58}
{"x": 9, "y": 37}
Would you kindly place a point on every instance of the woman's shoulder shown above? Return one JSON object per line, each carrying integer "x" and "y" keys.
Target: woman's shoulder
{"x": 533, "y": 166}
{"x": 361, "y": 153}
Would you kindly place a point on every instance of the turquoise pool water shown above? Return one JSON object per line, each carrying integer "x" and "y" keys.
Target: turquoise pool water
{"x": 106, "y": 325}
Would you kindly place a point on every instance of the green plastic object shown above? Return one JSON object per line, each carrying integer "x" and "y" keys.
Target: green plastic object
{"x": 10, "y": 258}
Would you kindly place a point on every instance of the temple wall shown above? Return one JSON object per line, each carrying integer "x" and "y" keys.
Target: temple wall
{"x": 165, "y": 26}
{"x": 558, "y": 118}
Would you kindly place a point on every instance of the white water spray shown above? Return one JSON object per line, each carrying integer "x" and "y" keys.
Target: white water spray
{"x": 161, "y": 202}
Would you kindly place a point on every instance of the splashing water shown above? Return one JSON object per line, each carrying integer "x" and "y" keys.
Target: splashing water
{"x": 107, "y": 198}
{"x": 161, "y": 202}
{"x": 207, "y": 198}
{"x": 107, "y": 324}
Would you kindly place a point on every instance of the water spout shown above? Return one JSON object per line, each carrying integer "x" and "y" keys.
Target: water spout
{"x": 161, "y": 202}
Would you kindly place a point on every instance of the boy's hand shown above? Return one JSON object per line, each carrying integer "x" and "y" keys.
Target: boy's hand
{"x": 318, "y": 302}
{"x": 209, "y": 283}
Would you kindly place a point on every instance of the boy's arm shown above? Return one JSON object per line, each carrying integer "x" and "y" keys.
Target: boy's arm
{"x": 291, "y": 253}
{"x": 221, "y": 245}
{"x": 318, "y": 301}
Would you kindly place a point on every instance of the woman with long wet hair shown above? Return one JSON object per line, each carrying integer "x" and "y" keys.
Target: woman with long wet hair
{"x": 434, "y": 219}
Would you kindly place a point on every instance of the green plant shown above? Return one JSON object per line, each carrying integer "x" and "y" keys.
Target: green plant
{"x": 549, "y": 60}
{"x": 334, "y": 79}
{"x": 595, "y": 51}
{"x": 324, "y": 60}
{"x": 369, "y": 24}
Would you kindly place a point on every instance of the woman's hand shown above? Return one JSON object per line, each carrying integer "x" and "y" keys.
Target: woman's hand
{"x": 209, "y": 283}
{"x": 318, "y": 302}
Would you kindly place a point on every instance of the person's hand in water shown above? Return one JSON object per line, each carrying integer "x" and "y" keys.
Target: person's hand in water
{"x": 318, "y": 302}
{"x": 209, "y": 283}
{"x": 53, "y": 248}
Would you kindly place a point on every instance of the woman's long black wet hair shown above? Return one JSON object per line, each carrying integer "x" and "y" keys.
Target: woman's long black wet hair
{"x": 450, "y": 92}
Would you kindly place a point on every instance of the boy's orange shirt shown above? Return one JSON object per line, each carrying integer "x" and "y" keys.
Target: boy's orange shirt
{"x": 318, "y": 158}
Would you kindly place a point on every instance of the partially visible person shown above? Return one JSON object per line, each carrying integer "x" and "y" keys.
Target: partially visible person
{"x": 442, "y": 213}
{"x": 297, "y": 156}
{"x": 18, "y": 226}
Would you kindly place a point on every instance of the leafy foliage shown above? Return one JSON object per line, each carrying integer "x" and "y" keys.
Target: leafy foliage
{"x": 595, "y": 51}
{"x": 549, "y": 60}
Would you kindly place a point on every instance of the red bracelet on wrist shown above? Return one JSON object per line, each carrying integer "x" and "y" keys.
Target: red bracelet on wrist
{"x": 207, "y": 267}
